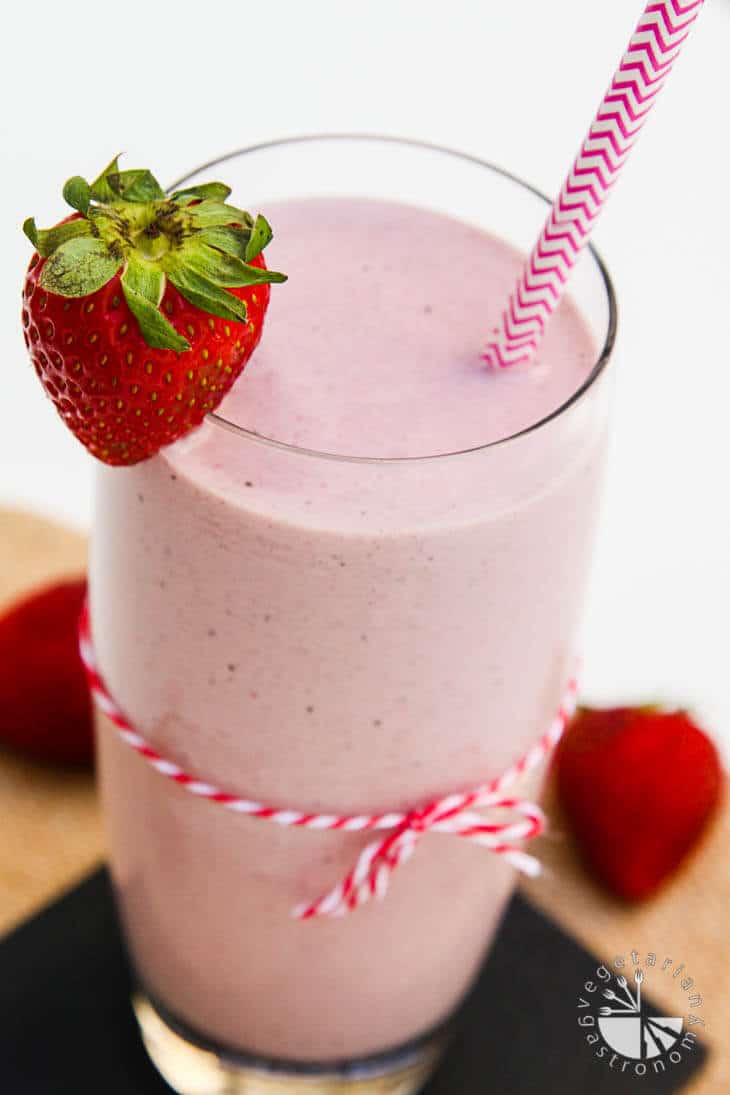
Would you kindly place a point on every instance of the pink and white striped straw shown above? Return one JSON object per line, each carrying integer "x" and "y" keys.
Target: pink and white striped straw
{"x": 652, "y": 51}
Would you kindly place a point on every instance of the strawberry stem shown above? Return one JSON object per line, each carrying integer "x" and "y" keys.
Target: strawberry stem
{"x": 194, "y": 238}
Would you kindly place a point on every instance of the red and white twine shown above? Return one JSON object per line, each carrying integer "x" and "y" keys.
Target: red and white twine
{"x": 454, "y": 814}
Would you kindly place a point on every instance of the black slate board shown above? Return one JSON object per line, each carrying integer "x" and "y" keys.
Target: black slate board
{"x": 66, "y": 1027}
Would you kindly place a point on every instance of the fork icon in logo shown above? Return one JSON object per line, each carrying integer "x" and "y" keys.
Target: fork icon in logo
{"x": 630, "y": 1029}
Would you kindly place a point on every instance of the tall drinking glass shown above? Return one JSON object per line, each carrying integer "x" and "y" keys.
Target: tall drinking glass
{"x": 332, "y": 633}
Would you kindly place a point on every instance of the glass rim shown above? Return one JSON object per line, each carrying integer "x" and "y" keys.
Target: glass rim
{"x": 604, "y": 355}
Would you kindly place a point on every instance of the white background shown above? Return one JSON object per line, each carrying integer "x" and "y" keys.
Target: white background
{"x": 515, "y": 81}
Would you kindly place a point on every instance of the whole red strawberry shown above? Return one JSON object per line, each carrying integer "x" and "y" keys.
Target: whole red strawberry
{"x": 141, "y": 310}
{"x": 45, "y": 706}
{"x": 638, "y": 786}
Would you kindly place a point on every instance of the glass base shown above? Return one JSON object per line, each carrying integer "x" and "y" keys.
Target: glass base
{"x": 191, "y": 1066}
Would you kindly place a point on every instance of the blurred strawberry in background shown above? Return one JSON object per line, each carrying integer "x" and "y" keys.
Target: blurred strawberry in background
{"x": 45, "y": 705}
{"x": 639, "y": 786}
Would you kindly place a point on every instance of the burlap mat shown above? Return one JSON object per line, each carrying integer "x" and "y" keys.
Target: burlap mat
{"x": 51, "y": 836}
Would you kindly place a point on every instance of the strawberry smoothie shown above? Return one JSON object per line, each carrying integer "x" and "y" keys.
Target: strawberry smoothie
{"x": 342, "y": 635}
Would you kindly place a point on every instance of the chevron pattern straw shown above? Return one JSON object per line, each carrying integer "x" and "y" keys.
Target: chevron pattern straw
{"x": 455, "y": 814}
{"x": 640, "y": 77}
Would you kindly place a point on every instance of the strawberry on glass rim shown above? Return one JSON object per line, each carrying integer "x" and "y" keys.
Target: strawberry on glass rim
{"x": 141, "y": 309}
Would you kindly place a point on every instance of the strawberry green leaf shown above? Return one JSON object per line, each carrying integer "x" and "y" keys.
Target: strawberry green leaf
{"x": 231, "y": 241}
{"x": 135, "y": 186}
{"x": 203, "y": 294}
{"x": 243, "y": 243}
{"x": 31, "y": 231}
{"x": 100, "y": 189}
{"x": 261, "y": 234}
{"x": 214, "y": 190}
{"x": 79, "y": 267}
{"x": 145, "y": 280}
{"x": 46, "y": 241}
{"x": 143, "y": 286}
{"x": 225, "y": 271}
{"x": 210, "y": 213}
{"x": 77, "y": 193}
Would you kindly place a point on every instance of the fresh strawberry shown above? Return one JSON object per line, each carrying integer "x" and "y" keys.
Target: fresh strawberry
{"x": 141, "y": 310}
{"x": 638, "y": 786}
{"x": 45, "y": 706}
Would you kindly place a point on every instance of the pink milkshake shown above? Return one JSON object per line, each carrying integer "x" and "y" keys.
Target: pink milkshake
{"x": 336, "y": 634}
